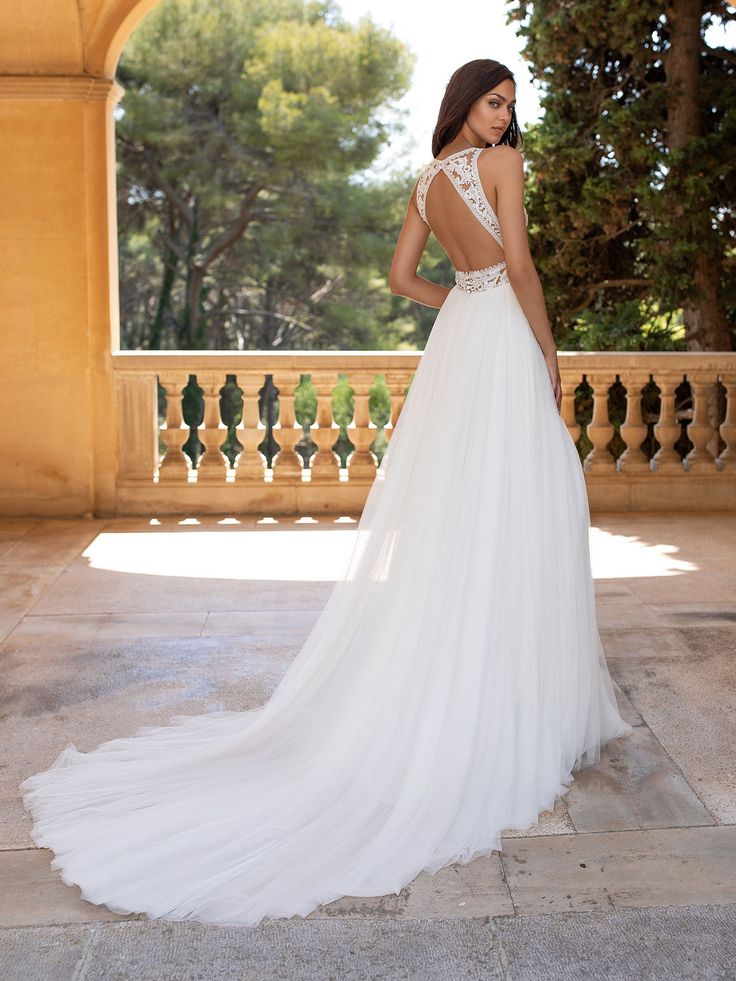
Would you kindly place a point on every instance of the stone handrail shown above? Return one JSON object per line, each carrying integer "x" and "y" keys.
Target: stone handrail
{"x": 620, "y": 473}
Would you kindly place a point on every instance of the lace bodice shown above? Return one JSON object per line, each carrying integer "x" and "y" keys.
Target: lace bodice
{"x": 462, "y": 170}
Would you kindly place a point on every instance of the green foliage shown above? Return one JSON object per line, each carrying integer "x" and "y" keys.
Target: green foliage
{"x": 620, "y": 211}
{"x": 242, "y": 129}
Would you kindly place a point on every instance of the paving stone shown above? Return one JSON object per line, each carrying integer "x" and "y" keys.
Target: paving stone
{"x": 635, "y": 785}
{"x": 660, "y": 944}
{"x": 263, "y": 623}
{"x": 20, "y": 591}
{"x": 613, "y": 591}
{"x": 625, "y": 706}
{"x": 681, "y": 944}
{"x": 53, "y": 542}
{"x": 83, "y": 589}
{"x": 477, "y": 888}
{"x": 626, "y": 614}
{"x": 690, "y": 705}
{"x": 613, "y": 870}
{"x": 369, "y": 950}
{"x": 698, "y": 614}
{"x": 625, "y": 641}
{"x": 12, "y": 531}
{"x": 554, "y": 822}
{"x": 34, "y": 894}
{"x": 50, "y": 954}
{"x": 69, "y": 626}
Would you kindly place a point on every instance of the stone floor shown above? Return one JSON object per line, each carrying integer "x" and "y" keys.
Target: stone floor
{"x": 106, "y": 626}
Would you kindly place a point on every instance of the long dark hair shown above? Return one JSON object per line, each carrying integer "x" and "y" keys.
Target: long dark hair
{"x": 466, "y": 85}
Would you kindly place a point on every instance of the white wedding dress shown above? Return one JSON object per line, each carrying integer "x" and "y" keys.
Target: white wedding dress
{"x": 447, "y": 692}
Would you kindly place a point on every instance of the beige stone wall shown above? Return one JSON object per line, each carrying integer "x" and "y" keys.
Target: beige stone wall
{"x": 58, "y": 252}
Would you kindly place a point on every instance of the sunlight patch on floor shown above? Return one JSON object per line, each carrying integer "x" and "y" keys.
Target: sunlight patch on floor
{"x": 283, "y": 555}
{"x": 628, "y": 557}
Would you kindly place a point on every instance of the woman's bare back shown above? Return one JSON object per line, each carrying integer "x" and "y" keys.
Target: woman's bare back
{"x": 456, "y": 196}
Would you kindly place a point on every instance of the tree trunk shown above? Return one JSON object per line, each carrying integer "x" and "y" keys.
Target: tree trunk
{"x": 706, "y": 324}
{"x": 163, "y": 307}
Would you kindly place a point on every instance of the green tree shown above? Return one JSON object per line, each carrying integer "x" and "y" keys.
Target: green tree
{"x": 242, "y": 129}
{"x": 633, "y": 176}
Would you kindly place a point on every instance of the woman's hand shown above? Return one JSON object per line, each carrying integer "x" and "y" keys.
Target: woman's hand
{"x": 554, "y": 376}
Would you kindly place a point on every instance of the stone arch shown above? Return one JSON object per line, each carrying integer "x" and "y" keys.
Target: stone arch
{"x": 58, "y": 241}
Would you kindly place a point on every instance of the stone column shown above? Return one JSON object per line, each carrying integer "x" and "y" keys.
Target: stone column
{"x": 362, "y": 464}
{"x": 287, "y": 467}
{"x": 58, "y": 294}
{"x": 667, "y": 429}
{"x": 634, "y": 429}
{"x": 600, "y": 429}
{"x": 700, "y": 430}
{"x": 728, "y": 426}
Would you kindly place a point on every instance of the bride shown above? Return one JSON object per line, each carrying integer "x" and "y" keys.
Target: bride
{"x": 455, "y": 679}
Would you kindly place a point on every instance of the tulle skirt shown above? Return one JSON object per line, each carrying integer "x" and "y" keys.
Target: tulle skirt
{"x": 450, "y": 688}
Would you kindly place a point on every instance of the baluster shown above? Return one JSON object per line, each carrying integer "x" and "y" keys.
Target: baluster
{"x": 728, "y": 426}
{"x": 287, "y": 467}
{"x": 324, "y": 465}
{"x": 251, "y": 465}
{"x": 362, "y": 464}
{"x": 570, "y": 383}
{"x": 633, "y": 428}
{"x": 175, "y": 465}
{"x": 398, "y": 382}
{"x": 700, "y": 430}
{"x": 667, "y": 429}
{"x": 600, "y": 429}
{"x": 212, "y": 464}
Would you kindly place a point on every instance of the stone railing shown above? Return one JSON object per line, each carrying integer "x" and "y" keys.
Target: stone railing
{"x": 290, "y": 432}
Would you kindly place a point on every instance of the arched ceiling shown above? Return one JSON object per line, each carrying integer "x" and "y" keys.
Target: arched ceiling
{"x": 66, "y": 37}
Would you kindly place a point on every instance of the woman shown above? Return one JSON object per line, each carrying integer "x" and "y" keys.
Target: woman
{"x": 455, "y": 678}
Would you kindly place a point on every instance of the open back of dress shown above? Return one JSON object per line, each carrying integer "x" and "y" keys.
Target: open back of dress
{"x": 451, "y": 199}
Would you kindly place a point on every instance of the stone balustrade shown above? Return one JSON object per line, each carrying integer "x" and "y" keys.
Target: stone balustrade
{"x": 290, "y": 432}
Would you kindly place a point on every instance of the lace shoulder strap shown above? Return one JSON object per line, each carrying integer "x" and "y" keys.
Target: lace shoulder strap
{"x": 425, "y": 179}
{"x": 462, "y": 169}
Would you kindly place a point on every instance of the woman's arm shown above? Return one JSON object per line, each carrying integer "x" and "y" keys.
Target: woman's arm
{"x": 508, "y": 174}
{"x": 403, "y": 278}
{"x": 520, "y": 268}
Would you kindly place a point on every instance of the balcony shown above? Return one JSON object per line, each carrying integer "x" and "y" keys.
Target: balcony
{"x": 660, "y": 435}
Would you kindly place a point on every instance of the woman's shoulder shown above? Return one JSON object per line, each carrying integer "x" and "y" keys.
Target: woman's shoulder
{"x": 502, "y": 153}
{"x": 495, "y": 162}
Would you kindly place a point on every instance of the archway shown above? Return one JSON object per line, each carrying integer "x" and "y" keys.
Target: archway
{"x": 58, "y": 293}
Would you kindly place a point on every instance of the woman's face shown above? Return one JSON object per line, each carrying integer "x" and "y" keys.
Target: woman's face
{"x": 490, "y": 115}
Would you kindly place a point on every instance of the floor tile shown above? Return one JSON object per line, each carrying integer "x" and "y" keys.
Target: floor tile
{"x": 698, "y": 614}
{"x": 612, "y": 870}
{"x": 33, "y": 893}
{"x": 635, "y": 785}
{"x": 343, "y": 949}
{"x": 690, "y": 705}
{"x": 629, "y": 614}
{"x": 624, "y": 641}
{"x": 52, "y": 543}
{"x": 458, "y": 891}
{"x": 79, "y": 626}
{"x": 81, "y": 589}
{"x": 690, "y": 943}
{"x": 264, "y": 623}
{"x": 51, "y": 954}
{"x": 20, "y": 591}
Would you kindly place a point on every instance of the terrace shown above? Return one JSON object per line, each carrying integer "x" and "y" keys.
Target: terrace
{"x": 109, "y": 624}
